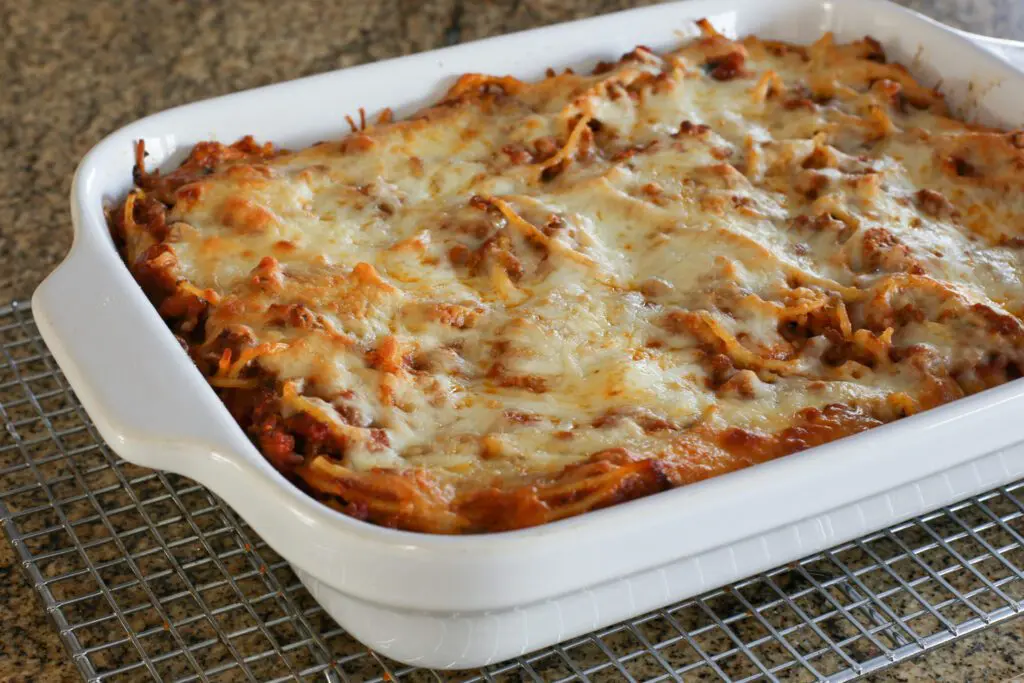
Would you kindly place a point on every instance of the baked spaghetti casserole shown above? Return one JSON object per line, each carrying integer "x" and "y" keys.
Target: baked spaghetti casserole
{"x": 532, "y": 300}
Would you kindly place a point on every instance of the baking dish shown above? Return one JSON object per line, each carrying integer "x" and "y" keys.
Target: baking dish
{"x": 455, "y": 602}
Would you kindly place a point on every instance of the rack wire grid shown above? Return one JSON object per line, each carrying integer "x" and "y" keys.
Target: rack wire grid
{"x": 148, "y": 575}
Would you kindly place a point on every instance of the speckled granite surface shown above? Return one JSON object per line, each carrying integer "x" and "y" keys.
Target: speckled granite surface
{"x": 72, "y": 72}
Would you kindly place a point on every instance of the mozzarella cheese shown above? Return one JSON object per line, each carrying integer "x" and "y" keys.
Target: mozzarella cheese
{"x": 526, "y": 275}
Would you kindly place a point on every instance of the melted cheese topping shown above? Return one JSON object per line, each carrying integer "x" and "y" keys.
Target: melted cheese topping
{"x": 711, "y": 242}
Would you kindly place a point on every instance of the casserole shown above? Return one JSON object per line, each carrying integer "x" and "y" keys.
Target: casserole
{"x": 536, "y": 299}
{"x": 458, "y": 602}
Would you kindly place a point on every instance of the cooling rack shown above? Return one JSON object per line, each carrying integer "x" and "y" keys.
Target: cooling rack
{"x": 148, "y": 575}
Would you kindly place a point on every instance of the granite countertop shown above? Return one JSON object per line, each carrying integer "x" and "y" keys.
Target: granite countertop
{"x": 72, "y": 72}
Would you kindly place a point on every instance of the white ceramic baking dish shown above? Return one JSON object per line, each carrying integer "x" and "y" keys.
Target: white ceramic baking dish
{"x": 466, "y": 601}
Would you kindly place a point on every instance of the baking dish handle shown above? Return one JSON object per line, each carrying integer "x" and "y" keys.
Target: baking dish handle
{"x": 105, "y": 345}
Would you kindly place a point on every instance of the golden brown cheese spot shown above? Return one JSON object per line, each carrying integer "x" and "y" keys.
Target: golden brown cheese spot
{"x": 189, "y": 195}
{"x": 388, "y": 356}
{"x": 293, "y": 315}
{"x": 246, "y": 216}
{"x": 267, "y": 276}
{"x": 417, "y": 315}
{"x": 250, "y": 175}
{"x": 357, "y": 144}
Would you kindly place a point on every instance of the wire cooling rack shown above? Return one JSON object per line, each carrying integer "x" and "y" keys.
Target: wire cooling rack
{"x": 150, "y": 576}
